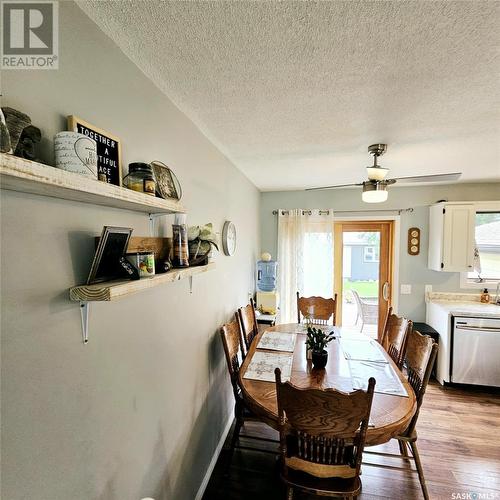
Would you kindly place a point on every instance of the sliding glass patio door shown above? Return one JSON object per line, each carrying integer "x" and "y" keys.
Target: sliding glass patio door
{"x": 363, "y": 274}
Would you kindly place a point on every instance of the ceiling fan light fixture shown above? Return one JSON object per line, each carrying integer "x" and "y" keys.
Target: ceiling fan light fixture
{"x": 375, "y": 188}
{"x": 374, "y": 192}
{"x": 377, "y": 173}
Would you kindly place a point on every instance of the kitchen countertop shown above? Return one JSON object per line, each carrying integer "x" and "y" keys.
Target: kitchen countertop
{"x": 468, "y": 309}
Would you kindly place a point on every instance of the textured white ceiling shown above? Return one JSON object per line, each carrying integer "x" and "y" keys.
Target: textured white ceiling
{"x": 294, "y": 92}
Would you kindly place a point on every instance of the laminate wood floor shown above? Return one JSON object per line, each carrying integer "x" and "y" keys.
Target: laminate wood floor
{"x": 458, "y": 440}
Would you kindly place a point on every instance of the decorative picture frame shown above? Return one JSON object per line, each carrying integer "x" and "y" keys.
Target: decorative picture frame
{"x": 109, "y": 155}
{"x": 167, "y": 184}
{"x": 112, "y": 245}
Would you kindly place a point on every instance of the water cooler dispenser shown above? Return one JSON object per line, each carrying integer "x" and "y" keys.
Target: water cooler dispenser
{"x": 267, "y": 296}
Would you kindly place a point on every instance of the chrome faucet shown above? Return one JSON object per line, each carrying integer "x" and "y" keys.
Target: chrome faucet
{"x": 497, "y": 295}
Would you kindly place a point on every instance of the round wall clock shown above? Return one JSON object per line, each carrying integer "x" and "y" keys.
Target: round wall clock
{"x": 229, "y": 238}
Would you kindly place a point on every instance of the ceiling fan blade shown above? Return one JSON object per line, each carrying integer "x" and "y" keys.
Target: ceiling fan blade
{"x": 430, "y": 178}
{"x": 333, "y": 187}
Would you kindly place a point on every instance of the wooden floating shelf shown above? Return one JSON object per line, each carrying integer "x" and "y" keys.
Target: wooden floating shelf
{"x": 112, "y": 290}
{"x": 18, "y": 174}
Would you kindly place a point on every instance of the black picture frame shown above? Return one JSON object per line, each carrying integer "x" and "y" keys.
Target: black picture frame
{"x": 112, "y": 245}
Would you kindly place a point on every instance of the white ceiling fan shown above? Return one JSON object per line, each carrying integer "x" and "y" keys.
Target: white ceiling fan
{"x": 375, "y": 188}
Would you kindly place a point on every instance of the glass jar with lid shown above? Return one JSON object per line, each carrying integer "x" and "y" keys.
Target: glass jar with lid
{"x": 140, "y": 178}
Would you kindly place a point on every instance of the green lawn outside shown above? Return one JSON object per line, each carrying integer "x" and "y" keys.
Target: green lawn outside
{"x": 364, "y": 288}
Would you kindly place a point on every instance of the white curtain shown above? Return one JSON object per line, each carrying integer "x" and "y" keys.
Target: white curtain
{"x": 305, "y": 257}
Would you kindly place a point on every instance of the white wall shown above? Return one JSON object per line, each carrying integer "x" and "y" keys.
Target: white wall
{"x": 413, "y": 269}
{"x": 139, "y": 410}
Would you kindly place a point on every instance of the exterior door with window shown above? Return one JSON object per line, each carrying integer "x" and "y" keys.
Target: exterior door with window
{"x": 363, "y": 274}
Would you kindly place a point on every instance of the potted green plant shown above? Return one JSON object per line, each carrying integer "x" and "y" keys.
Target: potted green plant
{"x": 201, "y": 240}
{"x": 317, "y": 340}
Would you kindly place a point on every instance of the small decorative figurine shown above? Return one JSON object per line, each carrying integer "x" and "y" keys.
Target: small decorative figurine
{"x": 16, "y": 122}
{"x": 30, "y": 136}
{"x": 5, "y": 146}
{"x": 166, "y": 265}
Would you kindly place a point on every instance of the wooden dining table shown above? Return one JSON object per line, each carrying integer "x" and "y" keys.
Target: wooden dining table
{"x": 390, "y": 414}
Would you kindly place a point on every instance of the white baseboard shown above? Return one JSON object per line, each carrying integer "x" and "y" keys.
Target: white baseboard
{"x": 215, "y": 456}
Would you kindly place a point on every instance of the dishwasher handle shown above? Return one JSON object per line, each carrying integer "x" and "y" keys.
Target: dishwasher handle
{"x": 477, "y": 328}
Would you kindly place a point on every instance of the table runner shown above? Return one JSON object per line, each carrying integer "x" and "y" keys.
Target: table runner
{"x": 387, "y": 380}
{"x": 362, "y": 350}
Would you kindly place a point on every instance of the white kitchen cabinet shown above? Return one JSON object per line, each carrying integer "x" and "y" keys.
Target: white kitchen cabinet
{"x": 451, "y": 237}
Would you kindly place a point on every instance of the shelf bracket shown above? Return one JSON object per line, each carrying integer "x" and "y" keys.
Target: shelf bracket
{"x": 190, "y": 284}
{"x": 84, "y": 312}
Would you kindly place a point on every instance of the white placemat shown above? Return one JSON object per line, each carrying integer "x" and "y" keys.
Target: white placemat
{"x": 387, "y": 380}
{"x": 362, "y": 351}
{"x": 277, "y": 341}
{"x": 263, "y": 365}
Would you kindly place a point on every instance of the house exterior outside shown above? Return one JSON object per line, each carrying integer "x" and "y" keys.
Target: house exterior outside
{"x": 488, "y": 244}
{"x": 361, "y": 257}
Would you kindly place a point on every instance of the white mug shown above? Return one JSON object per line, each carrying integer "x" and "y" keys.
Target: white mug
{"x": 76, "y": 153}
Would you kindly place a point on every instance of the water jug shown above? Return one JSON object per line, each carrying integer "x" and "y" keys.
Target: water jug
{"x": 266, "y": 275}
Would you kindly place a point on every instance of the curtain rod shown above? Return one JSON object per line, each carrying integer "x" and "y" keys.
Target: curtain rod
{"x": 326, "y": 212}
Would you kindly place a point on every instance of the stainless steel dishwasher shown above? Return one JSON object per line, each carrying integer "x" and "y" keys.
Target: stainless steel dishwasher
{"x": 476, "y": 351}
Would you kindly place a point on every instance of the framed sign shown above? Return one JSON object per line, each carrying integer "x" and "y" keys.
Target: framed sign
{"x": 112, "y": 245}
{"x": 167, "y": 183}
{"x": 109, "y": 167}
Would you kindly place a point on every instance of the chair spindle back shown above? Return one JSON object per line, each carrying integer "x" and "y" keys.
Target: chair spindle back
{"x": 318, "y": 309}
{"x": 420, "y": 356}
{"x": 248, "y": 323}
{"x": 322, "y": 432}
{"x": 231, "y": 340}
{"x": 395, "y": 336}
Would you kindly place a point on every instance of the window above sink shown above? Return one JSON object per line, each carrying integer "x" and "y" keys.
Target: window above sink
{"x": 486, "y": 273}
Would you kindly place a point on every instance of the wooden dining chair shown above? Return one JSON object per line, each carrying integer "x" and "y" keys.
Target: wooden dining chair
{"x": 322, "y": 436}
{"x": 396, "y": 332}
{"x": 248, "y": 323}
{"x": 231, "y": 341}
{"x": 318, "y": 309}
{"x": 420, "y": 357}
